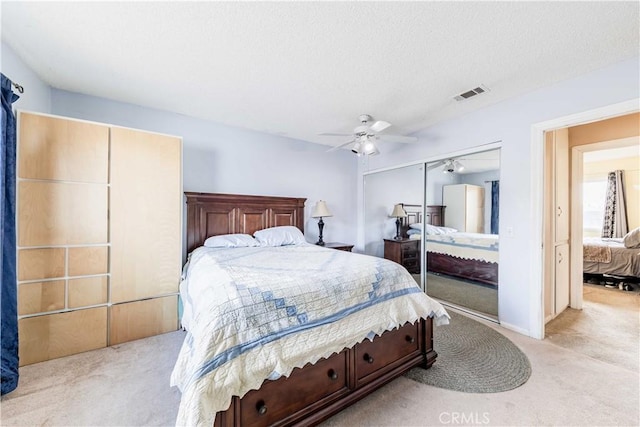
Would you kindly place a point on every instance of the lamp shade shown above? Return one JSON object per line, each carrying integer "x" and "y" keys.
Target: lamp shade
{"x": 398, "y": 211}
{"x": 320, "y": 210}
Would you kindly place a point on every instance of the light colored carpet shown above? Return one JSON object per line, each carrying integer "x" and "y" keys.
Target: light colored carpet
{"x": 607, "y": 328}
{"x": 129, "y": 386}
{"x": 477, "y": 297}
{"x": 123, "y": 385}
{"x": 473, "y": 358}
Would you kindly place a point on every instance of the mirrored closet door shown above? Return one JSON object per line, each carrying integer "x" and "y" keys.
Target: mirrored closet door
{"x": 461, "y": 256}
{"x": 440, "y": 221}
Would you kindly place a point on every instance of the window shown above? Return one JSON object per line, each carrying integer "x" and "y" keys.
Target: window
{"x": 593, "y": 194}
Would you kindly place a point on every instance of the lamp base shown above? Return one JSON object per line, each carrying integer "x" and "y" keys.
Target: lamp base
{"x": 398, "y": 237}
{"x": 320, "y": 242}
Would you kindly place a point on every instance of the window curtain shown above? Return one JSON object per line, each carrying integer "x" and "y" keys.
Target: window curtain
{"x": 495, "y": 206}
{"x": 615, "y": 209}
{"x": 8, "y": 297}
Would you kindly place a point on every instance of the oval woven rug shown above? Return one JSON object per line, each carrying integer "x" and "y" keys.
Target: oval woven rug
{"x": 473, "y": 358}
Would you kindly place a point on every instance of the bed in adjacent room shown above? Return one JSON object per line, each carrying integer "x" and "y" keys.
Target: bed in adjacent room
{"x": 281, "y": 331}
{"x": 610, "y": 256}
{"x": 469, "y": 256}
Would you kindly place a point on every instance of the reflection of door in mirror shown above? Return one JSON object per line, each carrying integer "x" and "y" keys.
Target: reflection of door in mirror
{"x": 462, "y": 256}
{"x": 382, "y": 192}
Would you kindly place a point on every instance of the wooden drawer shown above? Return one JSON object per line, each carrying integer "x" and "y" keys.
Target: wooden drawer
{"x": 324, "y": 380}
{"x": 410, "y": 250}
{"x": 394, "y": 345}
{"x": 411, "y": 265}
{"x": 405, "y": 252}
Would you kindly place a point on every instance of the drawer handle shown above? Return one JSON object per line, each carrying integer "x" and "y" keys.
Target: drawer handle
{"x": 410, "y": 339}
{"x": 368, "y": 358}
{"x": 261, "y": 407}
{"x": 332, "y": 374}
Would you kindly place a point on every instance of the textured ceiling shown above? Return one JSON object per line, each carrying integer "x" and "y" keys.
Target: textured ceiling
{"x": 301, "y": 68}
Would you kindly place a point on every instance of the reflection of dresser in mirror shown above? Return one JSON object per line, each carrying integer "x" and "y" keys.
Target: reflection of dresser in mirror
{"x": 465, "y": 207}
{"x": 406, "y": 251}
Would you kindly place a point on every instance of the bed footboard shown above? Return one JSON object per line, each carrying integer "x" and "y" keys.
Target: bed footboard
{"x": 316, "y": 392}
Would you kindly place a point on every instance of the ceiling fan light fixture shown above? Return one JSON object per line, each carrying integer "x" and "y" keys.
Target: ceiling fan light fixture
{"x": 369, "y": 146}
{"x": 448, "y": 167}
{"x": 452, "y": 166}
{"x": 371, "y": 149}
{"x": 357, "y": 148}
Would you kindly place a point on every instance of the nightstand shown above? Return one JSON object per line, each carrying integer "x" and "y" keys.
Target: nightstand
{"x": 339, "y": 246}
{"x": 405, "y": 252}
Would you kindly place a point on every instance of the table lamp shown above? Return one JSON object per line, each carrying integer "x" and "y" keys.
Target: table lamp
{"x": 398, "y": 212}
{"x": 320, "y": 210}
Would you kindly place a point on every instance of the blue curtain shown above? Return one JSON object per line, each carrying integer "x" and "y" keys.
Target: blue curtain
{"x": 8, "y": 297}
{"x": 495, "y": 203}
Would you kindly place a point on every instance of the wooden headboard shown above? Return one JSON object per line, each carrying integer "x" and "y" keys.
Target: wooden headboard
{"x": 434, "y": 215}
{"x": 211, "y": 214}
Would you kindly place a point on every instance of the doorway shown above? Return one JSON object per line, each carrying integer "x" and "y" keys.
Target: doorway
{"x": 615, "y": 126}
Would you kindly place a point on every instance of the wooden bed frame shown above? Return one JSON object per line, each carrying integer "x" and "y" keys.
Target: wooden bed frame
{"x": 468, "y": 269}
{"x": 315, "y": 392}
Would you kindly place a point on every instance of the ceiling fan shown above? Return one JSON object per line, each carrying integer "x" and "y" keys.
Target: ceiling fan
{"x": 448, "y": 166}
{"x": 364, "y": 136}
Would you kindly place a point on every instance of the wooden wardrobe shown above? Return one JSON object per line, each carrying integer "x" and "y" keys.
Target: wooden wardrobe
{"x": 99, "y": 212}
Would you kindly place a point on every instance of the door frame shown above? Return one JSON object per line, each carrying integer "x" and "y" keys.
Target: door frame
{"x": 536, "y": 292}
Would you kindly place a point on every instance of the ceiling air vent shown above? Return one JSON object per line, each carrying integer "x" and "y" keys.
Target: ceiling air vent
{"x": 471, "y": 93}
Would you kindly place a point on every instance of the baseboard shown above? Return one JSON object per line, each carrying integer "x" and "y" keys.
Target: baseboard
{"x": 517, "y": 329}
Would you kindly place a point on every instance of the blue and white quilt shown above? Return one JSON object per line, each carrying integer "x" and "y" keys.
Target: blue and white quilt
{"x": 257, "y": 313}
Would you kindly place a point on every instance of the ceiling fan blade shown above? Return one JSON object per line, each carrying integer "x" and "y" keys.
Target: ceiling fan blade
{"x": 337, "y": 147}
{"x": 379, "y": 126}
{"x": 334, "y": 134}
{"x": 398, "y": 138}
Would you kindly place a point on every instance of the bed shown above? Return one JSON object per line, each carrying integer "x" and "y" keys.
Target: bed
{"x": 469, "y": 256}
{"x": 282, "y": 377}
{"x": 609, "y": 256}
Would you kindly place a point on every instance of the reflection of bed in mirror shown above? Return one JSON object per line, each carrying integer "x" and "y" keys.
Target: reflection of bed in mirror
{"x": 469, "y": 256}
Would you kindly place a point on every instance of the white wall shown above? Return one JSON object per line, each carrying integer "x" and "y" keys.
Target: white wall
{"x": 37, "y": 94}
{"x": 511, "y": 122}
{"x": 218, "y": 158}
{"x": 383, "y": 190}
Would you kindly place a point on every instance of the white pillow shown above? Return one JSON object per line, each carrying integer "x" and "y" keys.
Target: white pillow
{"x": 280, "y": 236}
{"x": 231, "y": 241}
{"x": 632, "y": 239}
{"x": 433, "y": 229}
{"x": 416, "y": 225}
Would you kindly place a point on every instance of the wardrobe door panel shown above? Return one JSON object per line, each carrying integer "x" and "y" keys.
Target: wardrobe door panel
{"x": 86, "y": 291}
{"x": 40, "y": 297}
{"x": 42, "y": 263}
{"x": 140, "y": 319}
{"x": 146, "y": 207}
{"x": 57, "y": 335}
{"x": 88, "y": 260}
{"x": 64, "y": 150}
{"x": 55, "y": 213}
